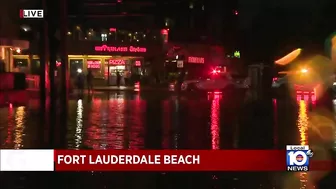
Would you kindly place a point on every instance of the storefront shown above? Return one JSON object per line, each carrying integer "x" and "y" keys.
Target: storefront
{"x": 7, "y": 49}
{"x": 195, "y": 59}
{"x": 106, "y": 68}
{"x": 103, "y": 61}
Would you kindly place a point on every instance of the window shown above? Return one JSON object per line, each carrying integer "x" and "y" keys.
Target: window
{"x": 104, "y": 37}
{"x": 35, "y": 67}
{"x": 76, "y": 66}
{"x": 20, "y": 65}
{"x": 95, "y": 66}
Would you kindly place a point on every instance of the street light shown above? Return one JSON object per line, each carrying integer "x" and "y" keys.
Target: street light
{"x": 304, "y": 70}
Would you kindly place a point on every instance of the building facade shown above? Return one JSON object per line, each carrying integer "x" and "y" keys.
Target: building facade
{"x": 9, "y": 36}
{"x": 129, "y": 37}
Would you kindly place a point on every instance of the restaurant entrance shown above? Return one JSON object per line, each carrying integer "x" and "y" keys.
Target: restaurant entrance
{"x": 128, "y": 68}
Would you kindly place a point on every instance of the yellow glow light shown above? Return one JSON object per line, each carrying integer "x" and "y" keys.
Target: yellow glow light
{"x": 304, "y": 70}
{"x": 289, "y": 57}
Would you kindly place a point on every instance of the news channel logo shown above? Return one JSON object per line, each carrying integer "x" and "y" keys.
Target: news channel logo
{"x": 13, "y": 160}
{"x": 298, "y": 157}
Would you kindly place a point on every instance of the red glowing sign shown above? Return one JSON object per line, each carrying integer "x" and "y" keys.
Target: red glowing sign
{"x": 105, "y": 48}
{"x": 116, "y": 62}
{"x": 113, "y": 29}
{"x": 138, "y": 63}
{"x": 58, "y": 63}
{"x": 197, "y": 60}
{"x": 164, "y": 32}
{"x": 94, "y": 64}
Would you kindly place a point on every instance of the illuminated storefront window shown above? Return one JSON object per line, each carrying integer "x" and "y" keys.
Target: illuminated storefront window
{"x": 95, "y": 67}
{"x": 20, "y": 65}
{"x": 137, "y": 63}
{"x": 75, "y": 65}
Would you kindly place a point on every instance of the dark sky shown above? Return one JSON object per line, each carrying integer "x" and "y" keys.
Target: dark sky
{"x": 277, "y": 27}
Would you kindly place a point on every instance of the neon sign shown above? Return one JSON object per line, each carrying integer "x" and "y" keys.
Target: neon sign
{"x": 105, "y": 48}
{"x": 138, "y": 63}
{"x": 94, "y": 64}
{"x": 116, "y": 62}
{"x": 197, "y": 60}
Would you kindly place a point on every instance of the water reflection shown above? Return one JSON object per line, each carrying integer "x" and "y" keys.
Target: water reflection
{"x": 276, "y": 126}
{"x": 20, "y": 126}
{"x": 166, "y": 123}
{"x": 11, "y": 127}
{"x": 93, "y": 125}
{"x": 122, "y": 121}
{"x": 79, "y": 126}
{"x": 116, "y": 126}
{"x": 302, "y": 124}
{"x": 215, "y": 122}
{"x": 176, "y": 122}
{"x": 137, "y": 131}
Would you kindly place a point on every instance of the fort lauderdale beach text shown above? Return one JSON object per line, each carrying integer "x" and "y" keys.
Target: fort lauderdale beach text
{"x": 128, "y": 159}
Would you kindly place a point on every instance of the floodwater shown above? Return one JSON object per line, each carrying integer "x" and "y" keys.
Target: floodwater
{"x": 161, "y": 120}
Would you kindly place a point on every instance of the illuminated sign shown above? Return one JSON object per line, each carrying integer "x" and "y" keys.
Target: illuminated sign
{"x": 116, "y": 62}
{"x": 58, "y": 63}
{"x": 94, "y": 64}
{"x": 105, "y": 48}
{"x": 197, "y": 60}
{"x": 138, "y": 63}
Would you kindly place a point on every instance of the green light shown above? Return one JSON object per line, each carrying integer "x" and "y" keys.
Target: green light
{"x": 236, "y": 54}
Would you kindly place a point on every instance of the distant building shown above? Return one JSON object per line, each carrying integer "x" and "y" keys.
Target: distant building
{"x": 9, "y": 34}
{"x": 132, "y": 36}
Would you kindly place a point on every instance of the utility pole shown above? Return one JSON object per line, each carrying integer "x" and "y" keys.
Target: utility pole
{"x": 64, "y": 52}
{"x": 44, "y": 57}
{"x": 64, "y": 72}
{"x": 52, "y": 27}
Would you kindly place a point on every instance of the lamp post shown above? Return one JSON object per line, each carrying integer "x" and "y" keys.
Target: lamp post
{"x": 64, "y": 72}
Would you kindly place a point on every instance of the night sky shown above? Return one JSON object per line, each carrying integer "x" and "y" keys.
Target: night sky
{"x": 263, "y": 29}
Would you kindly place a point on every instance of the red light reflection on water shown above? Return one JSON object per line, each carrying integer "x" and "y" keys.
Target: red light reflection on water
{"x": 93, "y": 138}
{"x": 166, "y": 124}
{"x": 275, "y": 110}
{"x": 16, "y": 128}
{"x": 116, "y": 124}
{"x": 11, "y": 126}
{"x": 215, "y": 122}
{"x": 137, "y": 130}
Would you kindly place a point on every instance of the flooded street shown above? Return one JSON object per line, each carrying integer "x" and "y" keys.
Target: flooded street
{"x": 159, "y": 120}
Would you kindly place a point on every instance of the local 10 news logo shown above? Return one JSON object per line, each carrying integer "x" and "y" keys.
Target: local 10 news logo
{"x": 298, "y": 157}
